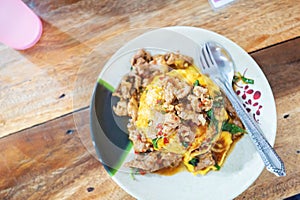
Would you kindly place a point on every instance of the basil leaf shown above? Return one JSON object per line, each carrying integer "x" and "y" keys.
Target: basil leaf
{"x": 210, "y": 114}
{"x": 232, "y": 128}
{"x": 194, "y": 161}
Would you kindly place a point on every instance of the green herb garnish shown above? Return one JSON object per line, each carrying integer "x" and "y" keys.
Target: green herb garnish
{"x": 212, "y": 119}
{"x": 217, "y": 166}
{"x": 154, "y": 142}
{"x": 185, "y": 144}
{"x": 247, "y": 80}
{"x": 232, "y": 128}
{"x": 241, "y": 77}
{"x": 196, "y": 83}
{"x": 194, "y": 161}
{"x": 210, "y": 114}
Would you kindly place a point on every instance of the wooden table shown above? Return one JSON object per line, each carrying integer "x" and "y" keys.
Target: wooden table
{"x": 41, "y": 153}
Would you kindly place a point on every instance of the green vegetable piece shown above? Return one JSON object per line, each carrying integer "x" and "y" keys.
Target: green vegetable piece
{"x": 196, "y": 83}
{"x": 185, "y": 144}
{"x": 210, "y": 114}
{"x": 194, "y": 161}
{"x": 232, "y": 128}
{"x": 241, "y": 77}
{"x": 212, "y": 119}
{"x": 217, "y": 166}
{"x": 247, "y": 80}
{"x": 154, "y": 142}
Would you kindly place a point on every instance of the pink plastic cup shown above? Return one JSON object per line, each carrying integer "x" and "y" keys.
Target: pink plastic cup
{"x": 20, "y": 27}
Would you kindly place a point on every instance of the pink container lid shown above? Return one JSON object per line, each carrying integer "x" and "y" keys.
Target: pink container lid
{"x": 20, "y": 27}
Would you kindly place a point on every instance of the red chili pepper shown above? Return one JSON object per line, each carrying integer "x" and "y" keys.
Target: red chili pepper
{"x": 139, "y": 137}
{"x": 142, "y": 172}
{"x": 166, "y": 141}
{"x": 159, "y": 133}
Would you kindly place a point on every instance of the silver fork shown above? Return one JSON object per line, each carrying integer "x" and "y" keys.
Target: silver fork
{"x": 217, "y": 63}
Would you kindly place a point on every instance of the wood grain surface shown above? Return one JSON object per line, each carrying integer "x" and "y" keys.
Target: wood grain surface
{"x": 49, "y": 161}
{"x": 39, "y": 84}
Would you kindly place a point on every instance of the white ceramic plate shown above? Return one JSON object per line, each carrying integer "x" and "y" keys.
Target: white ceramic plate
{"x": 242, "y": 166}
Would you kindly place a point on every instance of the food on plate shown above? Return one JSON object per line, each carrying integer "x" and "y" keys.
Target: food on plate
{"x": 178, "y": 116}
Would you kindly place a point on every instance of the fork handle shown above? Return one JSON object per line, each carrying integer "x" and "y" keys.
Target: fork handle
{"x": 270, "y": 158}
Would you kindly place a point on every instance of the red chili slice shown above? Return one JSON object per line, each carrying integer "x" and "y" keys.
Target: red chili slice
{"x": 160, "y": 133}
{"x": 139, "y": 137}
{"x": 142, "y": 172}
{"x": 166, "y": 141}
